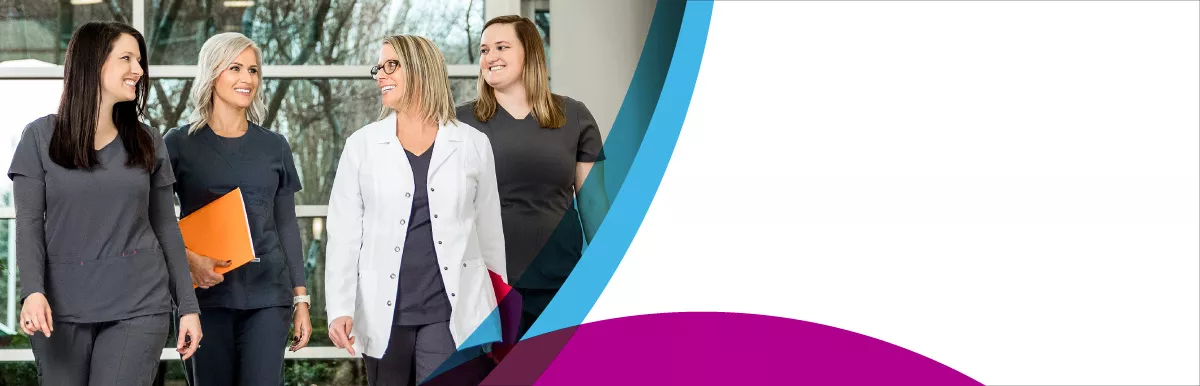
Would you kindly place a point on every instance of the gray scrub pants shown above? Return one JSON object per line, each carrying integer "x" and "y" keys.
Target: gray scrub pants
{"x": 118, "y": 353}
{"x": 413, "y": 352}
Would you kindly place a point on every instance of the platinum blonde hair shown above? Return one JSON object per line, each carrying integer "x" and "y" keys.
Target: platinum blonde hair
{"x": 215, "y": 56}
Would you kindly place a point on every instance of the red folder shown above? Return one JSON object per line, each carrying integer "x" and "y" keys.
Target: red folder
{"x": 508, "y": 302}
{"x": 499, "y": 286}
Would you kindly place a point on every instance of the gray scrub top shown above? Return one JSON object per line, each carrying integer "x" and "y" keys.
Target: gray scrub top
{"x": 90, "y": 239}
{"x": 535, "y": 174}
{"x": 207, "y": 166}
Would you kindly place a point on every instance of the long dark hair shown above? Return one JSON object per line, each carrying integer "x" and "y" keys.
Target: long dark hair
{"x": 73, "y": 144}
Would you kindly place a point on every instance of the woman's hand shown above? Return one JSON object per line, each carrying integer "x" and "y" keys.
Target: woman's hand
{"x": 202, "y": 267}
{"x": 303, "y": 327}
{"x": 339, "y": 333}
{"x": 35, "y": 315}
{"x": 189, "y": 335}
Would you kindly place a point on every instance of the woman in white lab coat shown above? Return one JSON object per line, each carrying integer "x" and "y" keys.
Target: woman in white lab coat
{"x": 414, "y": 225}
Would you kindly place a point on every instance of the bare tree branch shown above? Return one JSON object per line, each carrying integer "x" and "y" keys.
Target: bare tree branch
{"x": 162, "y": 31}
{"x": 164, "y": 102}
{"x": 177, "y": 113}
{"x": 66, "y": 27}
{"x": 314, "y": 36}
{"x": 330, "y": 54}
{"x": 115, "y": 8}
{"x": 210, "y": 21}
{"x": 543, "y": 22}
{"x": 335, "y": 137}
{"x": 467, "y": 24}
{"x": 248, "y": 21}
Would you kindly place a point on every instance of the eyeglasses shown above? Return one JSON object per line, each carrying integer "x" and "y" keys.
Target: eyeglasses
{"x": 388, "y": 67}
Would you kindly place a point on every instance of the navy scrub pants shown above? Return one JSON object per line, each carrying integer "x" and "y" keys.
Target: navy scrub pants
{"x": 240, "y": 347}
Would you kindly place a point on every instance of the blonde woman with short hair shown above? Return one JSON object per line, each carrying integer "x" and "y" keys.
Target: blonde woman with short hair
{"x": 414, "y": 226}
{"x": 246, "y": 312}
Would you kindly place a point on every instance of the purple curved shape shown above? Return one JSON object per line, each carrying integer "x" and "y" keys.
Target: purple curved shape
{"x": 699, "y": 348}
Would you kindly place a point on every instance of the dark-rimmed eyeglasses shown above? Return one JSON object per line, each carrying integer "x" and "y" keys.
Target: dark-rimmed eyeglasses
{"x": 388, "y": 67}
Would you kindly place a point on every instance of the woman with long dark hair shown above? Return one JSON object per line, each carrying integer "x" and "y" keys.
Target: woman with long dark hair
{"x": 101, "y": 259}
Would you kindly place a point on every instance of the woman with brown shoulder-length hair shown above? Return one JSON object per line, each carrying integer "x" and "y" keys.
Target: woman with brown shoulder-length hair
{"x": 546, "y": 145}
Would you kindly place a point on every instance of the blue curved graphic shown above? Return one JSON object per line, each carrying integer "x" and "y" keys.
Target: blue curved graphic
{"x": 637, "y": 109}
{"x": 581, "y": 290}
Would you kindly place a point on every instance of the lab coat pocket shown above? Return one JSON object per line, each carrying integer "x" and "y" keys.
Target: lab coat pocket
{"x": 475, "y": 286}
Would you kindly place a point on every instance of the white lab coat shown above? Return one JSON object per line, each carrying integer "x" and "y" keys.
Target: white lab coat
{"x": 367, "y": 224}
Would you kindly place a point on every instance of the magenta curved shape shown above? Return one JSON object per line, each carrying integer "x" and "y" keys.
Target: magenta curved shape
{"x": 709, "y": 348}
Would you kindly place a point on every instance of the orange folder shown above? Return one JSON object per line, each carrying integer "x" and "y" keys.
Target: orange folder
{"x": 220, "y": 231}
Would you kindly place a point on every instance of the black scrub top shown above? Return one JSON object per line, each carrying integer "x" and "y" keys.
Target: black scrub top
{"x": 535, "y": 174}
{"x": 207, "y": 166}
{"x": 421, "y": 295}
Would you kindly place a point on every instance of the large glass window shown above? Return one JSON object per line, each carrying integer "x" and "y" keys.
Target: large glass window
{"x": 313, "y": 32}
{"x": 40, "y": 29}
{"x": 541, "y": 18}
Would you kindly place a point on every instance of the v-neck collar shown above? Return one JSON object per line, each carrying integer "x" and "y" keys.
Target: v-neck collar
{"x": 424, "y": 154}
{"x": 510, "y": 116}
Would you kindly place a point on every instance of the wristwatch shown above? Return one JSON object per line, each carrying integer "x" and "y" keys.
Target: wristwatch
{"x": 306, "y": 299}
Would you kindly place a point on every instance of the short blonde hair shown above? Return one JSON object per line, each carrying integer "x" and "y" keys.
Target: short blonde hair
{"x": 426, "y": 82}
{"x": 216, "y": 55}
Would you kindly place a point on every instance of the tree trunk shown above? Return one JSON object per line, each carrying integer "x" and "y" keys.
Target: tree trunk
{"x": 467, "y": 22}
{"x": 66, "y": 26}
{"x": 117, "y": 13}
{"x": 162, "y": 31}
{"x": 314, "y": 36}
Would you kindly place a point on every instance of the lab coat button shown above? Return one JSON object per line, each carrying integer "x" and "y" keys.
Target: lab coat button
{"x": 389, "y": 303}
{"x": 397, "y": 249}
{"x": 445, "y": 268}
{"x": 407, "y": 194}
{"x": 393, "y": 276}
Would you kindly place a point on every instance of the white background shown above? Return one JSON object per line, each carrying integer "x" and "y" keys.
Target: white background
{"x": 1011, "y": 188}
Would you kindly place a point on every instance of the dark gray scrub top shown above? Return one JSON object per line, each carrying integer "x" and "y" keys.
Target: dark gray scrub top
{"x": 207, "y": 166}
{"x": 535, "y": 174}
{"x": 90, "y": 239}
{"x": 421, "y": 296}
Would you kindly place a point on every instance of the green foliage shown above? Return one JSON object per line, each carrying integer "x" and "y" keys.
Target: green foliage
{"x": 304, "y": 373}
{"x": 18, "y": 374}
